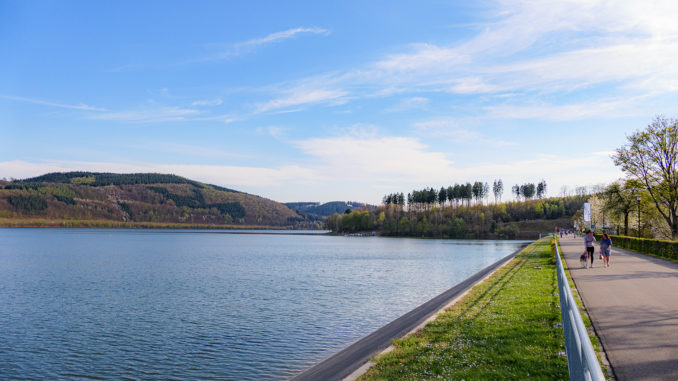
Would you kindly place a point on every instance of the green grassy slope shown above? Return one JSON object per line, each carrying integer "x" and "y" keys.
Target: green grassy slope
{"x": 504, "y": 329}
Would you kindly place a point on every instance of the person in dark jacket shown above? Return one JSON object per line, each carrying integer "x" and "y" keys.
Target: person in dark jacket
{"x": 588, "y": 242}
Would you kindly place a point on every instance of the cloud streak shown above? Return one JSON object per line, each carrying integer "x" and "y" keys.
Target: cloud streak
{"x": 154, "y": 115}
{"x": 228, "y": 51}
{"x": 81, "y": 106}
{"x": 207, "y": 102}
{"x": 300, "y": 97}
{"x": 407, "y": 104}
{"x": 282, "y": 35}
{"x": 449, "y": 128}
{"x": 620, "y": 108}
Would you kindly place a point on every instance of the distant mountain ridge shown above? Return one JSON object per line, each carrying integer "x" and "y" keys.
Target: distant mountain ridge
{"x": 327, "y": 209}
{"x": 139, "y": 198}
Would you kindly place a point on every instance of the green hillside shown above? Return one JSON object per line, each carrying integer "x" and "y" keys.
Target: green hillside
{"x": 514, "y": 219}
{"x": 138, "y": 198}
{"x": 319, "y": 211}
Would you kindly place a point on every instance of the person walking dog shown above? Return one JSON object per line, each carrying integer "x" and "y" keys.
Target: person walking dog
{"x": 588, "y": 242}
{"x": 606, "y": 249}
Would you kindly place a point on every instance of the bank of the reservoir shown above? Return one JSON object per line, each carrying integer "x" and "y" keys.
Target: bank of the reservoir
{"x": 505, "y": 328}
{"x": 110, "y": 224}
{"x": 353, "y": 360}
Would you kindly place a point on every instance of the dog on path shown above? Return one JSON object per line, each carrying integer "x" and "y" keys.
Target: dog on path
{"x": 583, "y": 259}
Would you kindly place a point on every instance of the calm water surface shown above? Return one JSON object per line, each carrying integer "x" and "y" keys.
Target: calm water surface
{"x": 196, "y": 304}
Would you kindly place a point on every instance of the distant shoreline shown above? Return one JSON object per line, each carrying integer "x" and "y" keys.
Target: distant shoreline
{"x": 107, "y": 224}
{"x": 60, "y": 223}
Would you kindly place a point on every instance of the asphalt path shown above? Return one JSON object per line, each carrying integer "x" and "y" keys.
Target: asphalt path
{"x": 354, "y": 356}
{"x": 633, "y": 305}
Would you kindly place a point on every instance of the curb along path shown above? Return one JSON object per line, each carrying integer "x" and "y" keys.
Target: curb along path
{"x": 633, "y": 305}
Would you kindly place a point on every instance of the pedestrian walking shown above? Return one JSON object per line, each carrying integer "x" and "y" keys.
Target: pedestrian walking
{"x": 588, "y": 242}
{"x": 606, "y": 249}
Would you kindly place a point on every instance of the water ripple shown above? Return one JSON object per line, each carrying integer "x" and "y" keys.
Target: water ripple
{"x": 101, "y": 304}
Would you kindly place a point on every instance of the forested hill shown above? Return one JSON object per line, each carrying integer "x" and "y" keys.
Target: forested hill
{"x": 144, "y": 199}
{"x": 100, "y": 179}
{"x": 320, "y": 211}
{"x": 514, "y": 219}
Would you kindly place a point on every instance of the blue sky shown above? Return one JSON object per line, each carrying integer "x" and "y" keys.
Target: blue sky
{"x": 308, "y": 101}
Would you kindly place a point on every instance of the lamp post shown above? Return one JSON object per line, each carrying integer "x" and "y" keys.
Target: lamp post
{"x": 638, "y": 199}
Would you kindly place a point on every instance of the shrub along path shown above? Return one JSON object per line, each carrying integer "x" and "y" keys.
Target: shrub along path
{"x": 504, "y": 329}
{"x": 634, "y": 308}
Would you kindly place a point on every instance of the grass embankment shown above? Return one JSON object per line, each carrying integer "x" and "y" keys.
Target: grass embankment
{"x": 59, "y": 223}
{"x": 505, "y": 328}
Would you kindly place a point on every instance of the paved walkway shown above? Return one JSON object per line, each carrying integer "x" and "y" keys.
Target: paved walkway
{"x": 634, "y": 307}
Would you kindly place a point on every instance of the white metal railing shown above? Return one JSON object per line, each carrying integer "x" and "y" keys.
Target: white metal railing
{"x": 581, "y": 358}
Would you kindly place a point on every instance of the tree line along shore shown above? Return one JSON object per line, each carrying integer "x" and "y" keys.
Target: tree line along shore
{"x": 506, "y": 220}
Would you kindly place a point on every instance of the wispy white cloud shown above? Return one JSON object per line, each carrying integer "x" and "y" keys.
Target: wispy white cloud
{"x": 207, "y": 102}
{"x": 227, "y": 51}
{"x": 377, "y": 158}
{"x": 446, "y": 127}
{"x": 450, "y": 129}
{"x": 619, "y": 41}
{"x": 531, "y": 49}
{"x": 474, "y": 85}
{"x": 80, "y": 106}
{"x": 190, "y": 150}
{"x": 303, "y": 96}
{"x": 225, "y": 118}
{"x": 152, "y": 112}
{"x": 154, "y": 115}
{"x": 274, "y": 131}
{"x": 282, "y": 35}
{"x": 606, "y": 109}
{"x": 408, "y": 104}
{"x": 642, "y": 64}
{"x": 424, "y": 57}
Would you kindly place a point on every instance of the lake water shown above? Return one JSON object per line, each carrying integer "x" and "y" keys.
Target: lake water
{"x": 165, "y": 304}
